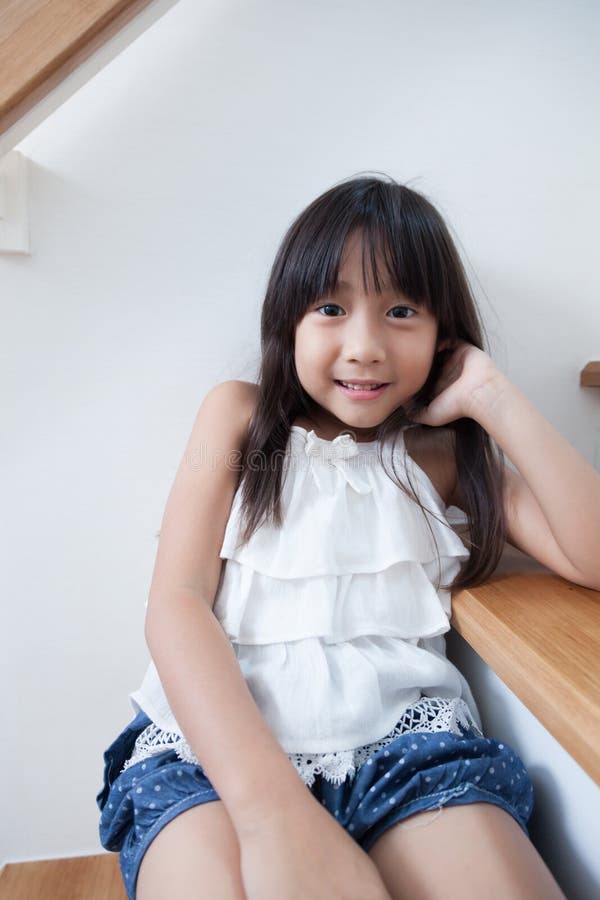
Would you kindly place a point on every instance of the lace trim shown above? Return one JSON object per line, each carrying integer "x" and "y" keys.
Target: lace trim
{"x": 429, "y": 714}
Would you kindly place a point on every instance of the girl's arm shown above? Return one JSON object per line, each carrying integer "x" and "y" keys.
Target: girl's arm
{"x": 194, "y": 658}
{"x": 553, "y": 503}
{"x": 289, "y": 844}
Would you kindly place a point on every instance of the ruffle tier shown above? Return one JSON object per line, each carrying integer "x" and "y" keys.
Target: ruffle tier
{"x": 319, "y": 697}
{"x": 343, "y": 514}
{"x": 400, "y": 601}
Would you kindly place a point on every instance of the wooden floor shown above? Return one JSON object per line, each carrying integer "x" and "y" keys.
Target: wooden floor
{"x": 80, "y": 878}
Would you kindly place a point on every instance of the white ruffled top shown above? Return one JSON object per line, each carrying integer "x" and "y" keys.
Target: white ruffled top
{"x": 335, "y": 619}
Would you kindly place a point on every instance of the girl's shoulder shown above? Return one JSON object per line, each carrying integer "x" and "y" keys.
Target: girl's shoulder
{"x": 432, "y": 449}
{"x": 247, "y": 391}
{"x": 239, "y": 398}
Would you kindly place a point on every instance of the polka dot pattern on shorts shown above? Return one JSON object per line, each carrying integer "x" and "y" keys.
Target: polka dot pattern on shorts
{"x": 411, "y": 774}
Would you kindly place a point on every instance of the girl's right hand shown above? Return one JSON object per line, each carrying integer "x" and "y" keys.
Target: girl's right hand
{"x": 302, "y": 853}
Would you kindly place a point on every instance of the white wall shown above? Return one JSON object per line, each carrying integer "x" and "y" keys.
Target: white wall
{"x": 159, "y": 193}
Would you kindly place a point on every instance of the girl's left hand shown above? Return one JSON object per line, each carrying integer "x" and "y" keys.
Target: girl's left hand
{"x": 456, "y": 391}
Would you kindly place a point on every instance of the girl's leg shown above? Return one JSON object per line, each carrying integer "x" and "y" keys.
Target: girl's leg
{"x": 462, "y": 853}
{"x": 196, "y": 855}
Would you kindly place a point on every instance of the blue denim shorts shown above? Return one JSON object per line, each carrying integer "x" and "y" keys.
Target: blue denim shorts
{"x": 415, "y": 772}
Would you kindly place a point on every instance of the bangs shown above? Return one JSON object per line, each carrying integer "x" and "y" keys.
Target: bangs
{"x": 396, "y": 236}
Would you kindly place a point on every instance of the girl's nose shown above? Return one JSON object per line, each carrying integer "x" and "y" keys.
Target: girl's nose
{"x": 364, "y": 344}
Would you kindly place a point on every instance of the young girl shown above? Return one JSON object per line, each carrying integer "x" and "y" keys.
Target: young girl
{"x": 300, "y": 732}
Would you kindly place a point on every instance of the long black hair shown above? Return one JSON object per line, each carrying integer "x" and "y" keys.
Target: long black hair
{"x": 401, "y": 227}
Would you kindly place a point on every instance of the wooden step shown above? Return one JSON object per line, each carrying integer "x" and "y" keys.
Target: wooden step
{"x": 77, "y": 878}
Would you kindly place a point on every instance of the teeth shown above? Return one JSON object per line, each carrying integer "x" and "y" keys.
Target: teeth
{"x": 360, "y": 387}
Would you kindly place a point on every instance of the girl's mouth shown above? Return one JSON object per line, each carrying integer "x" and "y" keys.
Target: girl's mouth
{"x": 361, "y": 392}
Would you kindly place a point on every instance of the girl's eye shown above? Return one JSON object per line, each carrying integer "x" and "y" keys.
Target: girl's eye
{"x": 405, "y": 312}
{"x": 328, "y": 306}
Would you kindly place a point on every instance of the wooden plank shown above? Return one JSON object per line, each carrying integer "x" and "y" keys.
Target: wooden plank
{"x": 541, "y": 635}
{"x": 43, "y": 41}
{"x": 89, "y": 877}
{"x": 590, "y": 375}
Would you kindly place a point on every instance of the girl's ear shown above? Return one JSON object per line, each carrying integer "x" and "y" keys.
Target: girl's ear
{"x": 445, "y": 344}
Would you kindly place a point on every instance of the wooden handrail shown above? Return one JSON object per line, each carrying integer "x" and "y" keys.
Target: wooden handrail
{"x": 590, "y": 375}
{"x": 43, "y": 41}
{"x": 541, "y": 635}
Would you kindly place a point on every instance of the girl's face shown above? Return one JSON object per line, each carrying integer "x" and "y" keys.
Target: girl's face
{"x": 354, "y": 336}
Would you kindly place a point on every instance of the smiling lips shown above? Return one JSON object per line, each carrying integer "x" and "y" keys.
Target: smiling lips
{"x": 362, "y": 390}
{"x": 365, "y": 384}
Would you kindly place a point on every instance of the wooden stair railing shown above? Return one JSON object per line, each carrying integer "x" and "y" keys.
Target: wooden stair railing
{"x": 541, "y": 635}
{"x": 590, "y": 375}
{"x": 43, "y": 41}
